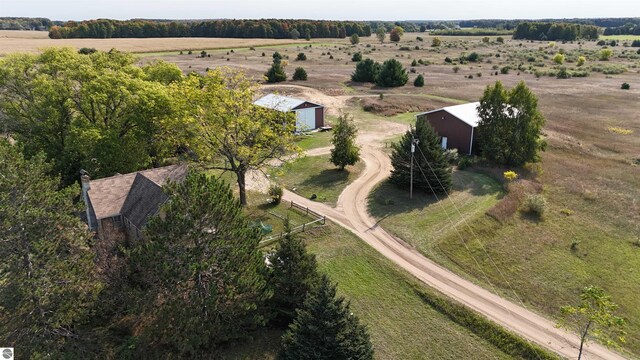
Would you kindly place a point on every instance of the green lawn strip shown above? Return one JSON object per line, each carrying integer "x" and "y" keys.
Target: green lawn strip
{"x": 401, "y": 324}
{"x": 316, "y": 175}
{"x": 314, "y": 140}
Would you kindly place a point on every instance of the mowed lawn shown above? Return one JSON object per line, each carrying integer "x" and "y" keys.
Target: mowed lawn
{"x": 316, "y": 175}
{"x": 401, "y": 325}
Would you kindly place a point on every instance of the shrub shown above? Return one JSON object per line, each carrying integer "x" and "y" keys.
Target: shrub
{"x": 419, "y": 81}
{"x": 419, "y": 38}
{"x": 300, "y": 74}
{"x": 448, "y": 60}
{"x": 456, "y": 69}
{"x": 505, "y": 70}
{"x": 605, "y": 54}
{"x": 392, "y": 74}
{"x": 466, "y": 162}
{"x": 356, "y": 57}
{"x": 536, "y": 204}
{"x": 405, "y": 48}
{"x": 625, "y": 86}
{"x": 190, "y": 52}
{"x": 263, "y": 54}
{"x": 486, "y": 39}
{"x": 301, "y": 57}
{"x": 635, "y": 43}
{"x": 414, "y": 63}
{"x": 531, "y": 59}
{"x": 354, "y": 39}
{"x": 563, "y": 73}
{"x": 473, "y": 57}
{"x": 88, "y": 51}
{"x": 510, "y": 175}
{"x": 436, "y": 42}
{"x": 581, "y": 61}
{"x": 275, "y": 194}
{"x": 451, "y": 155}
{"x": 500, "y": 39}
{"x": 558, "y": 59}
{"x": 203, "y": 53}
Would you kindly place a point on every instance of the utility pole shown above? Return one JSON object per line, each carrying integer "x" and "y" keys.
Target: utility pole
{"x": 414, "y": 142}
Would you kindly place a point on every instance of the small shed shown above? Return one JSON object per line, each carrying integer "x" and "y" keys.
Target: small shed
{"x": 309, "y": 116}
{"x": 455, "y": 125}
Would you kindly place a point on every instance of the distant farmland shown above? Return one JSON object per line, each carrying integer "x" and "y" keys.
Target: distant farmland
{"x": 34, "y": 41}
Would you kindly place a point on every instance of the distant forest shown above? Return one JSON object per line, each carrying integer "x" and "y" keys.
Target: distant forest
{"x": 268, "y": 28}
{"x": 21, "y": 23}
{"x": 555, "y": 31}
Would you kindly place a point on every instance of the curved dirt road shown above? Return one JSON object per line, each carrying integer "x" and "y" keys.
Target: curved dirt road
{"x": 351, "y": 213}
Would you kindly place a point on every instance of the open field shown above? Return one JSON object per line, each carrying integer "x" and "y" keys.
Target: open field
{"x": 620, "y": 37}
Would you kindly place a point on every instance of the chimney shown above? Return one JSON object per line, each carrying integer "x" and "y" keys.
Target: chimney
{"x": 86, "y": 186}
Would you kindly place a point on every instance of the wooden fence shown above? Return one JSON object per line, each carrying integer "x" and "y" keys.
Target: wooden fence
{"x": 319, "y": 219}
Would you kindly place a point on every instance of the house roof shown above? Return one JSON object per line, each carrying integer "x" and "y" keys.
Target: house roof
{"x": 108, "y": 195}
{"x": 467, "y": 113}
{"x": 280, "y": 102}
{"x": 143, "y": 201}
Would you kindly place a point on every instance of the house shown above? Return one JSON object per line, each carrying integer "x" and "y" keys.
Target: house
{"x": 309, "y": 116}
{"x": 125, "y": 202}
{"x": 455, "y": 125}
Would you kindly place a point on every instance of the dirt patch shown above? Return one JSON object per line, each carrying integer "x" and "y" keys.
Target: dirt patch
{"x": 397, "y": 104}
{"x": 517, "y": 191}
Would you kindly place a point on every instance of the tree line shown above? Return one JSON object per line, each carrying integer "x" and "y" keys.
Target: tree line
{"x": 25, "y": 23}
{"x": 265, "y": 28}
{"x": 555, "y": 31}
{"x": 630, "y": 28}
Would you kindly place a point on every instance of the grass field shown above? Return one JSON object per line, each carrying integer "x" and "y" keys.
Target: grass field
{"x": 317, "y": 175}
{"x": 620, "y": 37}
{"x": 314, "y": 140}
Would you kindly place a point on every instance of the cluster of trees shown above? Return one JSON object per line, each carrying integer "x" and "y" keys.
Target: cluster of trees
{"x": 390, "y": 74}
{"x": 197, "y": 280}
{"x": 264, "y": 28}
{"x": 555, "y": 31}
{"x": 23, "y": 23}
{"x": 626, "y": 29}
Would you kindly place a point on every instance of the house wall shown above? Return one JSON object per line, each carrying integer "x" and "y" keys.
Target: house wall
{"x": 458, "y": 132}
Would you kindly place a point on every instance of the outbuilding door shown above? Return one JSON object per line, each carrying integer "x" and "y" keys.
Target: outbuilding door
{"x": 306, "y": 119}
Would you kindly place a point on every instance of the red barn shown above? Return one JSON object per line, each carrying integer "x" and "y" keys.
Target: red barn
{"x": 455, "y": 125}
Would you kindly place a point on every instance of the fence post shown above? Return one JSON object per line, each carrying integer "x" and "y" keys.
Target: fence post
{"x": 290, "y": 206}
{"x": 303, "y": 227}
{"x": 307, "y": 211}
{"x": 324, "y": 220}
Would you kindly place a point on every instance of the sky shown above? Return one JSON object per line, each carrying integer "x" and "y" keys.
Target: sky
{"x": 319, "y": 9}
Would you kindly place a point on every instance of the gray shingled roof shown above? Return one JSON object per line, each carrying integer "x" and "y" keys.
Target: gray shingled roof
{"x": 280, "y": 102}
{"x": 108, "y": 195}
{"x": 143, "y": 201}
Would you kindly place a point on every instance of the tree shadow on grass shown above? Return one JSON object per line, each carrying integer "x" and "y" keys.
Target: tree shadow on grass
{"x": 327, "y": 178}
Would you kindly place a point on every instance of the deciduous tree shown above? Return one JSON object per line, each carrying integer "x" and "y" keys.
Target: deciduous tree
{"x": 381, "y": 33}
{"x": 354, "y": 39}
{"x": 345, "y": 151}
{"x": 225, "y": 128}
{"x": 396, "y": 33}
{"x": 594, "y": 317}
{"x": 325, "y": 328}
{"x": 49, "y": 281}
{"x": 510, "y": 125}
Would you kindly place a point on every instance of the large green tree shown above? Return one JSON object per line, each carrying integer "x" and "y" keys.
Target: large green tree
{"x": 202, "y": 274}
{"x": 292, "y": 274}
{"x": 345, "y": 151}
{"x": 594, "y": 317}
{"x": 431, "y": 171}
{"x": 510, "y": 127}
{"x": 381, "y": 33}
{"x": 226, "y": 130}
{"x": 392, "y": 74}
{"x": 100, "y": 112}
{"x": 366, "y": 71}
{"x": 49, "y": 283}
{"x": 325, "y": 328}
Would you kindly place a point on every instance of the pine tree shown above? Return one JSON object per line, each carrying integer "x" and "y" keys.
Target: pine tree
{"x": 345, "y": 151}
{"x": 292, "y": 274}
{"x": 49, "y": 281}
{"x": 366, "y": 71}
{"x": 201, "y": 269}
{"x": 419, "y": 81}
{"x": 431, "y": 172}
{"x": 276, "y": 72}
{"x": 392, "y": 74}
{"x": 325, "y": 328}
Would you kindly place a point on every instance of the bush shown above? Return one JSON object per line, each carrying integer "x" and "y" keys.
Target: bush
{"x": 300, "y": 74}
{"x": 87, "y": 51}
{"x": 451, "y": 155}
{"x": 505, "y": 70}
{"x": 275, "y": 194}
{"x": 563, "y": 73}
{"x": 448, "y": 60}
{"x": 419, "y": 81}
{"x": 605, "y": 54}
{"x": 436, "y": 42}
{"x": 456, "y": 69}
{"x": 419, "y": 38}
{"x": 414, "y": 63}
{"x": 357, "y": 57}
{"x": 500, "y": 39}
{"x": 581, "y": 61}
{"x": 635, "y": 43}
{"x": 510, "y": 175}
{"x": 392, "y": 74}
{"x": 473, "y": 57}
{"x": 625, "y": 86}
{"x": 301, "y": 57}
{"x": 354, "y": 39}
{"x": 536, "y": 204}
{"x": 558, "y": 59}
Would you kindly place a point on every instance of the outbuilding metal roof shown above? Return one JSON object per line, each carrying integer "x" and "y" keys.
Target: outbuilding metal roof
{"x": 280, "y": 102}
{"x": 467, "y": 113}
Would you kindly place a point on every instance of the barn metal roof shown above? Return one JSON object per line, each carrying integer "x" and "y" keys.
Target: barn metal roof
{"x": 467, "y": 113}
{"x": 280, "y": 102}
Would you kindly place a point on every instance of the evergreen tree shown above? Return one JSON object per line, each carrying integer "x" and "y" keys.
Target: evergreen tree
{"x": 300, "y": 74}
{"x": 276, "y": 71}
{"x": 345, "y": 151}
{"x": 49, "y": 281}
{"x": 292, "y": 274}
{"x": 419, "y": 81}
{"x": 200, "y": 269}
{"x": 325, "y": 328}
{"x": 366, "y": 71}
{"x": 392, "y": 74}
{"x": 510, "y": 125}
{"x": 431, "y": 172}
